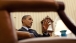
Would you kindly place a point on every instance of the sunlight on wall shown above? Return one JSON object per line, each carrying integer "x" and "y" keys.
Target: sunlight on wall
{"x": 61, "y": 26}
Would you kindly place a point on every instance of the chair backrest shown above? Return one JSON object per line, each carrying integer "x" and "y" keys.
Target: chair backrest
{"x": 7, "y": 32}
{"x": 49, "y": 40}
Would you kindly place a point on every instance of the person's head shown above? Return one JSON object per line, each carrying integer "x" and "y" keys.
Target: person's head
{"x": 27, "y": 21}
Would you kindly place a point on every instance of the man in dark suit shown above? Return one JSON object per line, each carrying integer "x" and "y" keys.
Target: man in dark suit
{"x": 27, "y": 23}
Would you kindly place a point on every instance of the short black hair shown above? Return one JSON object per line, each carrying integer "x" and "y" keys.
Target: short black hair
{"x": 24, "y": 17}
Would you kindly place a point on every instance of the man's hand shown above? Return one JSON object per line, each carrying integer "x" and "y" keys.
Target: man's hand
{"x": 45, "y": 25}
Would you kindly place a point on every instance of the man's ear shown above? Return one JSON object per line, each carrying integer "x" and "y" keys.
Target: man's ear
{"x": 23, "y": 20}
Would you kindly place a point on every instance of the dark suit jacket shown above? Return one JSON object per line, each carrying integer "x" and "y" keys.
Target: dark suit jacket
{"x": 35, "y": 33}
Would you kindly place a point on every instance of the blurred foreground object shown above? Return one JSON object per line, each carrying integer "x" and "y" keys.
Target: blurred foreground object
{"x": 8, "y": 33}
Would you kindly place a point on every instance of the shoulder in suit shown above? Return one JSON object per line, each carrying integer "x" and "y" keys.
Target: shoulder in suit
{"x": 34, "y": 32}
{"x": 22, "y": 29}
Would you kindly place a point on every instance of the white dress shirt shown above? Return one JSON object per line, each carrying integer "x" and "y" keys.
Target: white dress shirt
{"x": 25, "y": 27}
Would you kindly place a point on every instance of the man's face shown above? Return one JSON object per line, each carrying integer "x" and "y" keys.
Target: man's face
{"x": 28, "y": 21}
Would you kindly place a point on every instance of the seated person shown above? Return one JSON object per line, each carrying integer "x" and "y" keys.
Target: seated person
{"x": 27, "y": 23}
